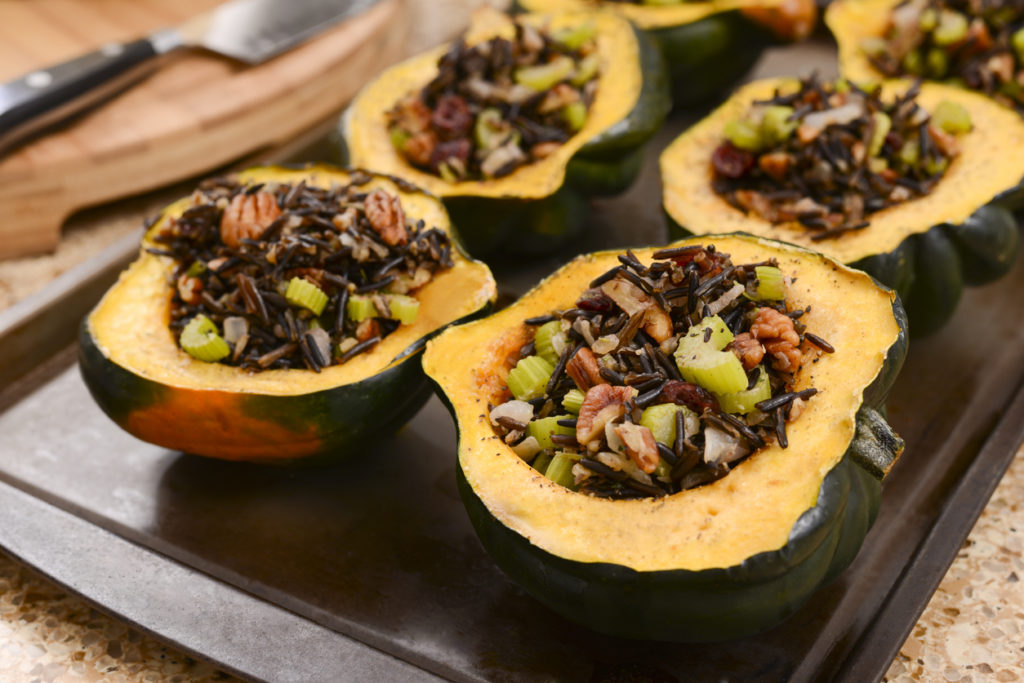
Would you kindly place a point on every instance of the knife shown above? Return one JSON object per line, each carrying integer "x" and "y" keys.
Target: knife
{"x": 250, "y": 31}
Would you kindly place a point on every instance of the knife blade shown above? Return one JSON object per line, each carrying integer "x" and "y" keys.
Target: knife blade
{"x": 250, "y": 31}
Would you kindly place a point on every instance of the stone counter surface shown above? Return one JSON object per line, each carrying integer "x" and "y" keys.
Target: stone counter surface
{"x": 971, "y": 631}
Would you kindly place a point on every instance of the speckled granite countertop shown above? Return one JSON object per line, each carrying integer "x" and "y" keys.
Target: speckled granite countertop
{"x": 971, "y": 631}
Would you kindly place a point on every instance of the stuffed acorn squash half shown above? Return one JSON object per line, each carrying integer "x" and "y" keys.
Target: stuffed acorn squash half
{"x": 677, "y": 444}
{"x": 979, "y": 46}
{"x": 708, "y": 46}
{"x": 280, "y": 314}
{"x": 911, "y": 183}
{"x": 516, "y": 123}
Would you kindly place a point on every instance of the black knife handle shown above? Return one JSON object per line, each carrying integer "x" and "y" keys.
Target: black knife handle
{"x": 43, "y": 98}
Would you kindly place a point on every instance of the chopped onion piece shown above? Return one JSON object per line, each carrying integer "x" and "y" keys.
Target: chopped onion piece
{"x": 527, "y": 449}
{"x": 727, "y": 298}
{"x": 520, "y": 411}
{"x": 721, "y": 447}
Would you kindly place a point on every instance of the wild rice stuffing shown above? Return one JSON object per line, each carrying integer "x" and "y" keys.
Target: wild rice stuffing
{"x": 661, "y": 378}
{"x": 293, "y": 276}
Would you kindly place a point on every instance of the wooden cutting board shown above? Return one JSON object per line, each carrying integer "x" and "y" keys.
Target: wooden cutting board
{"x": 198, "y": 112}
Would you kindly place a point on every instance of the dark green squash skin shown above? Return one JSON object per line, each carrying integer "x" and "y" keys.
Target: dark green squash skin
{"x": 726, "y": 603}
{"x": 708, "y": 57}
{"x": 929, "y": 270}
{"x": 606, "y": 165}
{"x": 343, "y": 418}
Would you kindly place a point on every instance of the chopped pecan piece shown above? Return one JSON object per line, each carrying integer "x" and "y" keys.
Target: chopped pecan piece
{"x": 247, "y": 216}
{"x": 189, "y": 288}
{"x": 602, "y": 404}
{"x": 420, "y": 147}
{"x": 747, "y": 349}
{"x": 640, "y": 445}
{"x": 775, "y": 331}
{"x": 367, "y": 329}
{"x": 775, "y": 164}
{"x": 386, "y": 217}
{"x": 584, "y": 370}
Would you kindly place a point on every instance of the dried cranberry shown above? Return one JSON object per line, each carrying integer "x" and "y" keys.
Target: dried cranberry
{"x": 450, "y": 149}
{"x": 451, "y": 118}
{"x": 690, "y": 395}
{"x": 731, "y": 161}
{"x": 594, "y": 300}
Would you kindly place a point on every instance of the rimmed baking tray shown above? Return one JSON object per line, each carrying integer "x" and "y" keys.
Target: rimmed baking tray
{"x": 369, "y": 569}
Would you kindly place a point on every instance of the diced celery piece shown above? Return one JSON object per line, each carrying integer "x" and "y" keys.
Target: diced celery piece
{"x": 560, "y": 470}
{"x": 586, "y": 70}
{"x": 360, "y": 308}
{"x": 770, "y": 284}
{"x": 877, "y": 164}
{"x": 446, "y": 173}
{"x": 913, "y": 63}
{"x": 841, "y": 86}
{"x": 661, "y": 420}
{"x": 542, "y": 429}
{"x": 929, "y": 20}
{"x": 951, "y": 117}
{"x": 403, "y": 308}
{"x": 545, "y": 76}
{"x": 200, "y": 340}
{"x": 721, "y": 335}
{"x": 529, "y": 377}
{"x": 196, "y": 269}
{"x": 952, "y": 28}
{"x": 910, "y": 153}
{"x": 743, "y": 135}
{"x": 302, "y": 292}
{"x": 575, "y": 36}
{"x": 490, "y": 129}
{"x": 575, "y": 115}
{"x": 743, "y": 402}
{"x": 717, "y": 371}
{"x": 541, "y": 462}
{"x": 883, "y": 124}
{"x": 776, "y": 126}
{"x": 936, "y": 165}
{"x": 398, "y": 138}
{"x": 1017, "y": 41}
{"x": 542, "y": 340}
{"x": 937, "y": 63}
{"x": 573, "y": 401}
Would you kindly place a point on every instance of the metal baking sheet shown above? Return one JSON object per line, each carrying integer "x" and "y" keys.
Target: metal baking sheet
{"x": 370, "y": 568}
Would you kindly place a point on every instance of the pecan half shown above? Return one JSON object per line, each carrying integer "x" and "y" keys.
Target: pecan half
{"x": 640, "y": 445}
{"x": 747, "y": 349}
{"x": 775, "y": 331}
{"x": 386, "y": 217}
{"x": 584, "y": 370}
{"x": 602, "y": 404}
{"x": 247, "y": 216}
